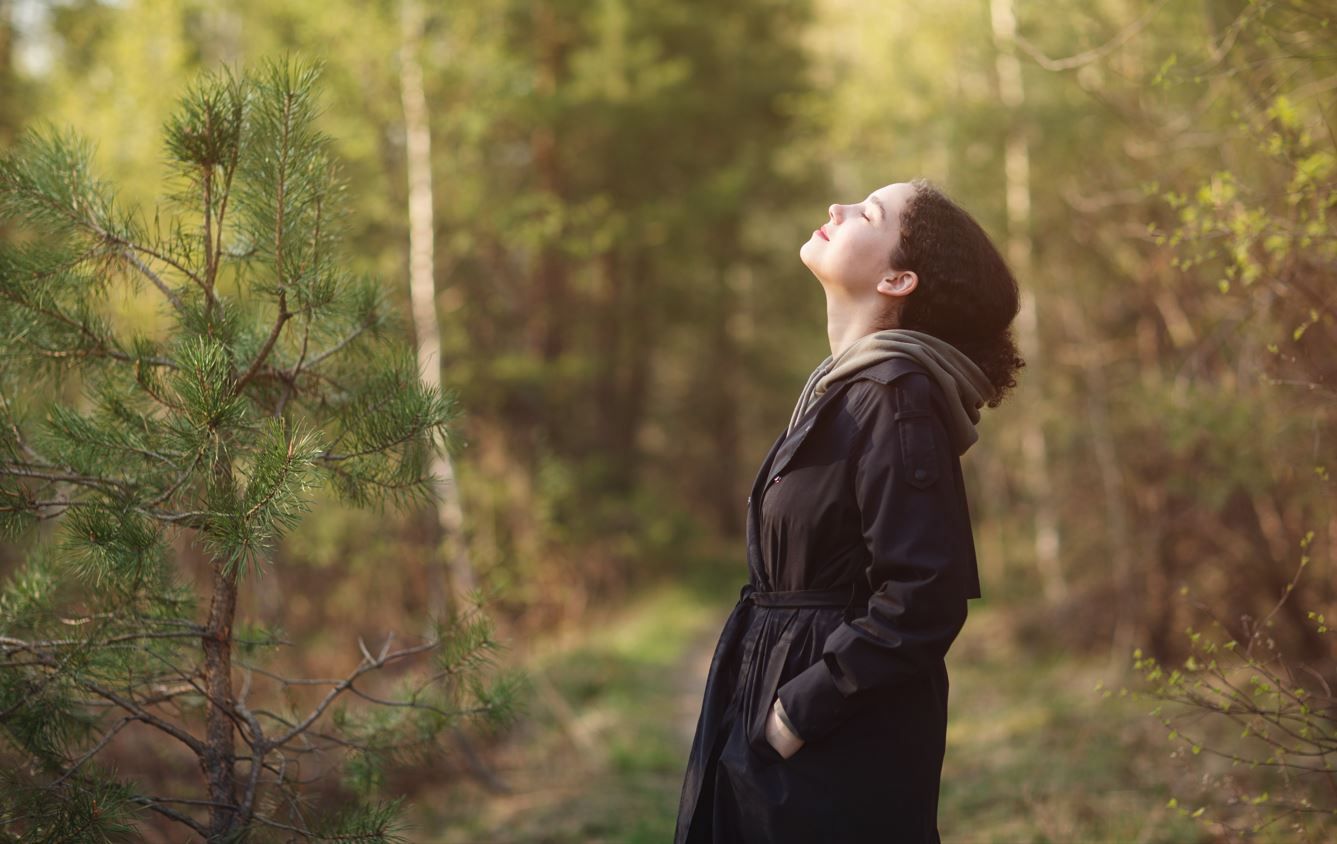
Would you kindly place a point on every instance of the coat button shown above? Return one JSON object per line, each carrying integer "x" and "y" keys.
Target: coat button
{"x": 775, "y": 480}
{"x": 921, "y": 474}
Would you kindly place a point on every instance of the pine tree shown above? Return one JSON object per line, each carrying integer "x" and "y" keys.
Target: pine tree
{"x": 274, "y": 370}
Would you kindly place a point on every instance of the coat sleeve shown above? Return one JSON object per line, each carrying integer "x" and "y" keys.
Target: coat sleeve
{"x": 912, "y": 521}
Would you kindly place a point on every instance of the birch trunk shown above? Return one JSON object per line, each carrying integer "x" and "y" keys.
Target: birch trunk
{"x": 1018, "y": 199}
{"x": 422, "y": 293}
{"x": 1122, "y": 553}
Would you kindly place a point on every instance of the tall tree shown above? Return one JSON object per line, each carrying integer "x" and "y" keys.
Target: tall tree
{"x": 279, "y": 371}
{"x": 593, "y": 228}
{"x": 422, "y": 293}
{"x": 11, "y": 91}
{"x": 1018, "y": 247}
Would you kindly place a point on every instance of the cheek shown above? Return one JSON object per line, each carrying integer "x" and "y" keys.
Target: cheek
{"x": 860, "y": 254}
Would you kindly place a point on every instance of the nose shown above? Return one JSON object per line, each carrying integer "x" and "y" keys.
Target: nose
{"x": 835, "y": 211}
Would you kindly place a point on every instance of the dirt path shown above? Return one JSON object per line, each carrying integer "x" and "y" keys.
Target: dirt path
{"x": 690, "y": 683}
{"x": 1034, "y": 752}
{"x": 600, "y": 756}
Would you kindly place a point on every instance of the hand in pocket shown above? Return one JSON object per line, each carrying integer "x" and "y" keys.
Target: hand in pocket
{"x": 779, "y": 736}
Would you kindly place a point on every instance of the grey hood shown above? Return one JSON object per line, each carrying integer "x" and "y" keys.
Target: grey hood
{"x": 958, "y": 375}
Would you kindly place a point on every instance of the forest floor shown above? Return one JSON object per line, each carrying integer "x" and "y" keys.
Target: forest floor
{"x": 1037, "y": 750}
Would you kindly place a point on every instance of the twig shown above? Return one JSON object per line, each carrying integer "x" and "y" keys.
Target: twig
{"x": 1088, "y": 56}
{"x": 345, "y": 684}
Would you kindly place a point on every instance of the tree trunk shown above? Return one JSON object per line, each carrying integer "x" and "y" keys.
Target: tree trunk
{"x": 422, "y": 293}
{"x": 615, "y": 431}
{"x": 1118, "y": 530}
{"x": 548, "y": 326}
{"x": 725, "y": 466}
{"x": 1018, "y": 197}
{"x": 219, "y": 760}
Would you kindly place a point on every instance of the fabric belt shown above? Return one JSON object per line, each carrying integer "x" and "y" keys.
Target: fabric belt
{"x": 841, "y": 598}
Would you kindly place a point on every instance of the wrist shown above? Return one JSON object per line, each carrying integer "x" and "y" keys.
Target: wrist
{"x": 784, "y": 718}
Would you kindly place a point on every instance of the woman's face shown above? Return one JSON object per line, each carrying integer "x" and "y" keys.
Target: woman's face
{"x": 852, "y": 250}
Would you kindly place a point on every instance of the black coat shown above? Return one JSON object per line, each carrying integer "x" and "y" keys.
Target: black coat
{"x": 860, "y": 562}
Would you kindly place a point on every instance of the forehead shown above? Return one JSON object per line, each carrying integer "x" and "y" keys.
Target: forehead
{"x": 893, "y": 196}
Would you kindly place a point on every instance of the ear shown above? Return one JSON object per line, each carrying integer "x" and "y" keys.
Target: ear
{"x": 898, "y": 283}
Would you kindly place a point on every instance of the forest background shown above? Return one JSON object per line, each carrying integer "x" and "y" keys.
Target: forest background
{"x": 619, "y": 193}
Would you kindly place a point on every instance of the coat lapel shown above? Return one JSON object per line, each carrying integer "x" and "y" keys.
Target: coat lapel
{"x": 762, "y": 471}
{"x": 790, "y": 442}
{"x": 787, "y": 445}
{"x": 884, "y": 372}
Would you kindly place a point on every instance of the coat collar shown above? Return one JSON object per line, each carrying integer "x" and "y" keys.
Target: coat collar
{"x": 788, "y": 443}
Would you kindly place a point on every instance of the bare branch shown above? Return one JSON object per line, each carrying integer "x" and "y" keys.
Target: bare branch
{"x": 1094, "y": 54}
{"x": 346, "y": 684}
{"x": 258, "y": 744}
{"x": 317, "y": 359}
{"x": 93, "y": 751}
{"x": 157, "y": 282}
{"x": 155, "y": 804}
{"x": 22, "y": 471}
{"x": 20, "y": 644}
{"x": 185, "y": 475}
{"x": 143, "y": 715}
{"x": 283, "y": 317}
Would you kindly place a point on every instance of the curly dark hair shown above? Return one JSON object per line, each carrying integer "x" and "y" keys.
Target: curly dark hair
{"x": 966, "y": 294}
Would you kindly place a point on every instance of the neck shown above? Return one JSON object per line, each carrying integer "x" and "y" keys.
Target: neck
{"x": 849, "y": 319}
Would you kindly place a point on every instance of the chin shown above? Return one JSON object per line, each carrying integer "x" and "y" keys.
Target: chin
{"x": 803, "y": 254}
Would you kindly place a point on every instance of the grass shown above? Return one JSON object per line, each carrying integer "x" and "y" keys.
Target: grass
{"x": 601, "y": 756}
{"x": 1037, "y": 752}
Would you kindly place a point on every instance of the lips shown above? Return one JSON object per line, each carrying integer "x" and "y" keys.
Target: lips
{"x": 822, "y": 232}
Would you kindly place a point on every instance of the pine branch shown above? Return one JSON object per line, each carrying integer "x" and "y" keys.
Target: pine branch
{"x": 95, "y": 749}
{"x": 320, "y": 357}
{"x": 144, "y": 716}
{"x": 368, "y": 664}
{"x": 258, "y": 737}
{"x": 50, "y": 677}
{"x": 101, "y": 346}
{"x": 157, "y": 282}
{"x": 137, "y": 712}
{"x": 23, "y": 471}
{"x": 23, "y": 644}
{"x": 263, "y": 354}
{"x": 82, "y": 212}
{"x": 197, "y": 436}
{"x": 181, "y": 479}
{"x": 273, "y": 824}
{"x": 211, "y": 273}
{"x": 159, "y": 255}
{"x": 154, "y": 804}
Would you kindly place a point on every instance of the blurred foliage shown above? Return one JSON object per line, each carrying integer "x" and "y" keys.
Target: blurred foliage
{"x": 276, "y": 373}
{"x": 1280, "y": 772}
{"x": 622, "y": 189}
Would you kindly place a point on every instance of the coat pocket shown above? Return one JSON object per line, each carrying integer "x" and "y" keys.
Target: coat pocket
{"x": 755, "y": 720}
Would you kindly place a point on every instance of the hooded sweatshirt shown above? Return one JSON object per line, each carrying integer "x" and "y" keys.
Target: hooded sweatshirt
{"x": 959, "y": 376}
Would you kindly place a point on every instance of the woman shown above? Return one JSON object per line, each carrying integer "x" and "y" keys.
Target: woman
{"x": 825, "y": 711}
